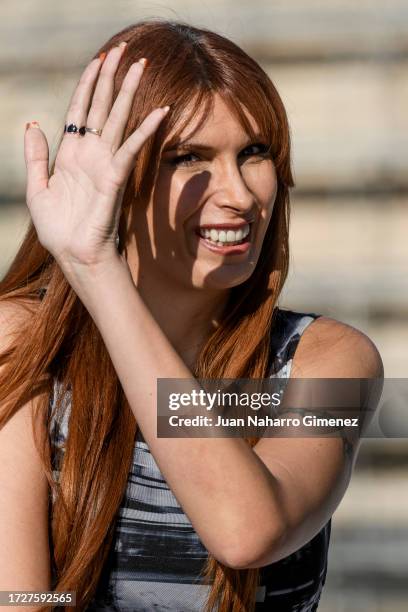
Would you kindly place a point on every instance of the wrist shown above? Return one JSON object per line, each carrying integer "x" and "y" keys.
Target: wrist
{"x": 84, "y": 277}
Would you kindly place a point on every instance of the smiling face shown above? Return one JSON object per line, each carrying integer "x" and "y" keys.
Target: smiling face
{"x": 211, "y": 206}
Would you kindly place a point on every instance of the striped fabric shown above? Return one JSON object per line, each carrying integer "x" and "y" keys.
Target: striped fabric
{"x": 156, "y": 556}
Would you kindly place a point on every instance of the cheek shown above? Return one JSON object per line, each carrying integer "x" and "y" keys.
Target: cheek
{"x": 178, "y": 195}
{"x": 261, "y": 179}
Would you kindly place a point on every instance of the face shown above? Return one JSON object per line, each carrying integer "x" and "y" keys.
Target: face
{"x": 210, "y": 207}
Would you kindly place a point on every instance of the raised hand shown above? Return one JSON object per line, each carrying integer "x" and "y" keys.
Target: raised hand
{"x": 76, "y": 211}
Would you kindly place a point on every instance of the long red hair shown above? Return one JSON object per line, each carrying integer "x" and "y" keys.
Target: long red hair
{"x": 60, "y": 340}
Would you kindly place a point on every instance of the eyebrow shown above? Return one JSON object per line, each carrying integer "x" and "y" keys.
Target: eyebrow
{"x": 190, "y": 145}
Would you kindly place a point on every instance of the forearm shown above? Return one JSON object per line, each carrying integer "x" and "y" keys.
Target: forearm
{"x": 221, "y": 483}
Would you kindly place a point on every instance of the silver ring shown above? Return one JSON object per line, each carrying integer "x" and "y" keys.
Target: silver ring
{"x": 93, "y": 131}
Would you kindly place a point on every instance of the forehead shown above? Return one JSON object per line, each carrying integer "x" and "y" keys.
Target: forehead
{"x": 219, "y": 123}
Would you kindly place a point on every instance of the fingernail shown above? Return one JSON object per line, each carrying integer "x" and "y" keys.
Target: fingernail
{"x": 122, "y": 44}
{"x": 102, "y": 56}
{"x": 33, "y": 124}
{"x": 166, "y": 109}
{"x": 144, "y": 61}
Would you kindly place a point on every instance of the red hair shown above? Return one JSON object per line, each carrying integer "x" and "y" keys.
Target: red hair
{"x": 59, "y": 338}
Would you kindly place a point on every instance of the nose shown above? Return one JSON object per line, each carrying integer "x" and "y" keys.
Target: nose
{"x": 230, "y": 189}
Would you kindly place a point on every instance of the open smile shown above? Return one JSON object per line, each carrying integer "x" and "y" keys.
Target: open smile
{"x": 226, "y": 239}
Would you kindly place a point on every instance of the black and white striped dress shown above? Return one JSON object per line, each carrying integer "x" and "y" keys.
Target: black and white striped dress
{"x": 156, "y": 555}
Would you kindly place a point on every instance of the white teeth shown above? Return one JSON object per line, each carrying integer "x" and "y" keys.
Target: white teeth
{"x": 221, "y": 237}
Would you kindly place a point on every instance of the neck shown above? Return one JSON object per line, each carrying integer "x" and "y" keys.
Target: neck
{"x": 186, "y": 315}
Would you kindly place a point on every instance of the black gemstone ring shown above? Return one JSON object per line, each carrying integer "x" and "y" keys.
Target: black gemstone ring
{"x": 73, "y": 129}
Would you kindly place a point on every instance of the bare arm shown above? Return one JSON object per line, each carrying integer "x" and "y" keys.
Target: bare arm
{"x": 24, "y": 548}
{"x": 223, "y": 485}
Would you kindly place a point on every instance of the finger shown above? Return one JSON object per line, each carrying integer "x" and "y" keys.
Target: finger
{"x": 81, "y": 98}
{"x": 103, "y": 94}
{"x": 118, "y": 117}
{"x": 36, "y": 156}
{"x": 124, "y": 158}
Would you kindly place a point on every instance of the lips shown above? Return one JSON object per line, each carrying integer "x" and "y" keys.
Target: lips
{"x": 224, "y": 225}
{"x": 225, "y": 238}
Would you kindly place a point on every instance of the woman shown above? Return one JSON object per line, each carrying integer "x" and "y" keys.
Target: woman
{"x": 158, "y": 249}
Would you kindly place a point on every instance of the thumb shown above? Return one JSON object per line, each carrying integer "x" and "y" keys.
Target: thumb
{"x": 36, "y": 156}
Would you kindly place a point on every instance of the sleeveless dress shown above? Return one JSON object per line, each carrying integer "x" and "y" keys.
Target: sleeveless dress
{"x": 156, "y": 555}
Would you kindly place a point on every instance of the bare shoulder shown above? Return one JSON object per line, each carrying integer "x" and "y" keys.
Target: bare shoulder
{"x": 333, "y": 349}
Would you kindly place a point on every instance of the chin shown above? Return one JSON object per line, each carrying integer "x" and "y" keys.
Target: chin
{"x": 223, "y": 277}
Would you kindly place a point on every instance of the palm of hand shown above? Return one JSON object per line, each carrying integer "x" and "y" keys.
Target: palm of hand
{"x": 76, "y": 211}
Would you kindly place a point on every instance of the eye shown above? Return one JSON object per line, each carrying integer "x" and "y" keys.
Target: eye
{"x": 258, "y": 149}
{"x": 184, "y": 160}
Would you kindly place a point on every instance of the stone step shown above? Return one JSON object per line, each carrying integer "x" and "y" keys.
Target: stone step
{"x": 348, "y": 124}
{"x": 367, "y": 569}
{"x": 300, "y": 29}
{"x": 369, "y": 482}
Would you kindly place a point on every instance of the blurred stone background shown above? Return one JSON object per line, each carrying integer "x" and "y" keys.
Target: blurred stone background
{"x": 341, "y": 69}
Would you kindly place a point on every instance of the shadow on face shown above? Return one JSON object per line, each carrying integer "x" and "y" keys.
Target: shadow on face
{"x": 205, "y": 222}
